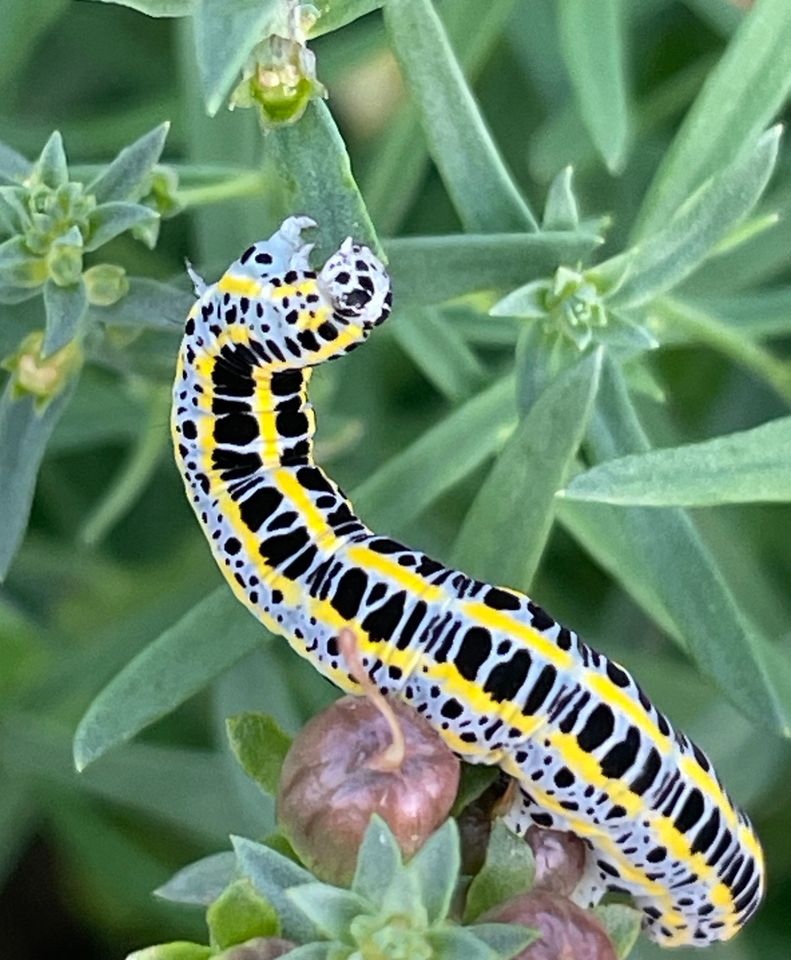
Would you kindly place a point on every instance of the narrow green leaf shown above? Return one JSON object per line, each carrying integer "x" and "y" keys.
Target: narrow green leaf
{"x": 475, "y": 781}
{"x": 508, "y": 524}
{"x": 238, "y": 914}
{"x": 761, "y": 314}
{"x": 317, "y": 179}
{"x": 225, "y": 33}
{"x": 482, "y": 190}
{"x": 450, "y": 943}
{"x": 334, "y": 14}
{"x": 272, "y": 874}
{"x": 178, "y": 949}
{"x": 66, "y": 308}
{"x": 125, "y": 177}
{"x": 173, "y": 785}
{"x": 592, "y": 43}
{"x": 331, "y": 909}
{"x": 50, "y": 167}
{"x": 751, "y": 466}
{"x": 441, "y": 457}
{"x": 677, "y": 578}
{"x": 200, "y": 883}
{"x": 436, "y": 868}
{"x": 739, "y": 99}
{"x": 401, "y": 154}
{"x": 508, "y": 870}
{"x": 561, "y": 211}
{"x": 260, "y": 746}
{"x": 438, "y": 351}
{"x": 622, "y": 925}
{"x": 24, "y": 433}
{"x": 113, "y": 218}
{"x": 207, "y": 640}
{"x": 428, "y": 270}
{"x": 506, "y": 939}
{"x": 379, "y": 862}
{"x": 157, "y": 8}
{"x": 13, "y": 166}
{"x": 664, "y": 259}
{"x": 148, "y": 303}
{"x": 691, "y": 325}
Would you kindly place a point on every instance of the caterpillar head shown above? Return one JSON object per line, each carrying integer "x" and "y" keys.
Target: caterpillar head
{"x": 357, "y": 285}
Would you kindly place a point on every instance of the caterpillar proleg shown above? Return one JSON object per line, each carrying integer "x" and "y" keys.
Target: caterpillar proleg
{"x": 499, "y": 679}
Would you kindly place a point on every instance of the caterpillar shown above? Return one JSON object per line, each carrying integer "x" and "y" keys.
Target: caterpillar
{"x": 498, "y": 678}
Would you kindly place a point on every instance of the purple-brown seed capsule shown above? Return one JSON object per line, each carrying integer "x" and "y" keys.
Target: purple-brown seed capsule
{"x": 560, "y": 859}
{"x": 566, "y": 931}
{"x": 333, "y": 781}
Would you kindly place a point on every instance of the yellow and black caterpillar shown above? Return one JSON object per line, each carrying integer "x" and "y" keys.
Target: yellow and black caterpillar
{"x": 499, "y": 679}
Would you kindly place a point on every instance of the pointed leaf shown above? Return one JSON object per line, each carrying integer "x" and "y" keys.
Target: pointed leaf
{"x": 260, "y": 746}
{"x": 312, "y": 951}
{"x": 317, "y": 178}
{"x": 439, "y": 351}
{"x": 378, "y": 862}
{"x": 662, "y": 560}
{"x": 441, "y": 457}
{"x": 238, "y": 914}
{"x": 157, "y": 8}
{"x": 125, "y": 177}
{"x": 452, "y": 943}
{"x": 506, "y": 939}
{"x": 664, "y": 259}
{"x": 509, "y": 870}
{"x": 428, "y": 270}
{"x": 436, "y": 868}
{"x": 750, "y": 466}
{"x": 561, "y": 211}
{"x": 622, "y": 925}
{"x": 66, "y": 308}
{"x": 111, "y": 219}
{"x": 592, "y": 43}
{"x": 332, "y": 909}
{"x": 508, "y": 524}
{"x": 149, "y": 304}
{"x": 51, "y": 168}
{"x": 13, "y": 166}
{"x": 225, "y": 33}
{"x": 24, "y": 433}
{"x": 272, "y": 875}
{"x": 482, "y": 190}
{"x": 201, "y": 882}
{"x": 207, "y": 640}
{"x": 740, "y": 97}
{"x": 178, "y": 950}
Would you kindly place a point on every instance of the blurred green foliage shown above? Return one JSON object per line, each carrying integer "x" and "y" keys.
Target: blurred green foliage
{"x": 460, "y": 129}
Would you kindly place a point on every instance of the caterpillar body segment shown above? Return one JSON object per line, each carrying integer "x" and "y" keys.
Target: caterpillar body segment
{"x": 500, "y": 680}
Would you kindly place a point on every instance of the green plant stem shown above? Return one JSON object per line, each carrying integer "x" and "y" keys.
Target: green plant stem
{"x": 247, "y": 184}
{"x": 702, "y": 328}
{"x": 134, "y": 474}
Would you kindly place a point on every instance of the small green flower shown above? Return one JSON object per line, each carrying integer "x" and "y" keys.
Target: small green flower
{"x": 33, "y": 374}
{"x": 279, "y": 77}
{"x": 105, "y": 284}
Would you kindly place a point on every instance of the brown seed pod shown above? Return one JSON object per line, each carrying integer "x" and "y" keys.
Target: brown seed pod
{"x": 566, "y": 931}
{"x": 341, "y": 769}
{"x": 560, "y": 859}
{"x": 259, "y": 948}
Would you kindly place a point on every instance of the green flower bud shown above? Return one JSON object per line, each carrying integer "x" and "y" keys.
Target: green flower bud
{"x": 64, "y": 260}
{"x": 39, "y": 377}
{"x": 105, "y": 283}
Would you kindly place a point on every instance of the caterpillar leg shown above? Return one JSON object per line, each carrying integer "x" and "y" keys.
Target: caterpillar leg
{"x": 524, "y": 813}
